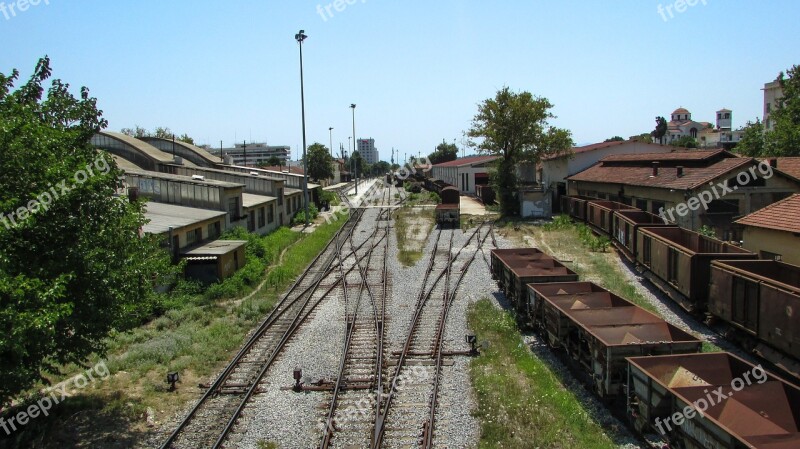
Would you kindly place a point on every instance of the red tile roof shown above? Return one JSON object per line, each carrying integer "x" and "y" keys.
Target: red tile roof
{"x": 610, "y": 170}
{"x": 781, "y": 216}
{"x": 677, "y": 155}
{"x": 602, "y": 145}
{"x": 467, "y": 161}
{"x": 789, "y": 165}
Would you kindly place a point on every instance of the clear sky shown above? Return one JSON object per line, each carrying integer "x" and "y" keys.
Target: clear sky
{"x": 229, "y": 70}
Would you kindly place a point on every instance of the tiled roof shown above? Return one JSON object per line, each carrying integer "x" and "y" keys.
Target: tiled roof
{"x": 677, "y": 155}
{"x": 790, "y": 166}
{"x": 600, "y": 146}
{"x": 641, "y": 174}
{"x": 464, "y": 161}
{"x": 782, "y": 216}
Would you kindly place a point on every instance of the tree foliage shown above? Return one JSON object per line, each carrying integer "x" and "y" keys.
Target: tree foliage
{"x": 661, "y": 129}
{"x": 445, "y": 152}
{"x": 161, "y": 132}
{"x": 615, "y": 139}
{"x": 320, "y": 162}
{"x": 74, "y": 267}
{"x": 784, "y": 137}
{"x": 684, "y": 142}
{"x": 515, "y": 127}
{"x": 644, "y": 138}
{"x": 752, "y": 142}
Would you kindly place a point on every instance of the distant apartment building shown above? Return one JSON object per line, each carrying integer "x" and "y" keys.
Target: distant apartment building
{"x": 253, "y": 154}
{"x": 367, "y": 150}
{"x": 772, "y": 93}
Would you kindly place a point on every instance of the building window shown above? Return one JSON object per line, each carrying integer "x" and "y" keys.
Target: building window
{"x": 233, "y": 208}
{"x": 656, "y": 207}
{"x": 262, "y": 217}
{"x": 251, "y": 221}
{"x": 280, "y": 197}
{"x": 213, "y": 230}
{"x": 271, "y": 214}
{"x": 194, "y": 236}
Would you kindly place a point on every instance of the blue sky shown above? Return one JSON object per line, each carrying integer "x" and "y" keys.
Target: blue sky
{"x": 229, "y": 70}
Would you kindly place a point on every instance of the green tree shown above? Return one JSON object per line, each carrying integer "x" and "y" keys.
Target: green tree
{"x": 359, "y": 164}
{"x": 684, "y": 142}
{"x": 515, "y": 127}
{"x": 661, "y": 130}
{"x": 615, "y": 139}
{"x": 644, "y": 137}
{"x": 273, "y": 161}
{"x": 320, "y": 162}
{"x": 136, "y": 131}
{"x": 752, "y": 142}
{"x": 72, "y": 266}
{"x": 444, "y": 152}
{"x": 784, "y": 137}
{"x": 185, "y": 138}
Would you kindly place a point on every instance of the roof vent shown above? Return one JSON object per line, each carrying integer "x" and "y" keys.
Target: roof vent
{"x": 198, "y": 178}
{"x": 655, "y": 169}
{"x": 680, "y": 171}
{"x": 253, "y": 173}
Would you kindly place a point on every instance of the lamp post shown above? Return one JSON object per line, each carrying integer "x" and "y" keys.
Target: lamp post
{"x": 300, "y": 37}
{"x": 353, "y": 107}
{"x": 330, "y": 131}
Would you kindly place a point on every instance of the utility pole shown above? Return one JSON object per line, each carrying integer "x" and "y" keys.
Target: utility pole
{"x": 300, "y": 37}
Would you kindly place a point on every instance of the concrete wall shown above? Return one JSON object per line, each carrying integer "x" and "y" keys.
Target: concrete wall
{"x": 782, "y": 243}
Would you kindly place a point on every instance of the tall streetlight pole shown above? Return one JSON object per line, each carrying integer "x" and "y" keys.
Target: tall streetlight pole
{"x": 353, "y": 107}
{"x": 300, "y": 37}
{"x": 330, "y": 132}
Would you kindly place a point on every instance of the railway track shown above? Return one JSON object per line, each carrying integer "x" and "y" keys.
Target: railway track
{"x": 407, "y": 411}
{"x": 353, "y": 398}
{"x": 210, "y": 421}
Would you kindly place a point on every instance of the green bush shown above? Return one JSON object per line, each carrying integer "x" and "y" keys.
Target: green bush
{"x": 300, "y": 216}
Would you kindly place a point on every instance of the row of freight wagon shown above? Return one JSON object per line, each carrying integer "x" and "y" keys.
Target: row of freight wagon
{"x": 752, "y": 301}
{"x": 448, "y": 212}
{"x": 630, "y": 356}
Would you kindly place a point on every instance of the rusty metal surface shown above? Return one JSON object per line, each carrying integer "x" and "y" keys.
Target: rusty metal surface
{"x": 652, "y": 333}
{"x": 639, "y": 217}
{"x": 692, "y": 242}
{"x": 565, "y": 288}
{"x": 765, "y": 415}
{"x": 450, "y": 195}
{"x": 613, "y": 316}
{"x": 773, "y": 272}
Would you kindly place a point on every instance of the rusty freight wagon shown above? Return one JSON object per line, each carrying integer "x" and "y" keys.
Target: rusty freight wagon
{"x": 599, "y": 330}
{"x": 627, "y": 224}
{"x": 447, "y": 215}
{"x": 600, "y": 215}
{"x": 756, "y": 410}
{"x": 761, "y": 300}
{"x": 678, "y": 262}
{"x": 485, "y": 193}
{"x": 450, "y": 195}
{"x": 575, "y": 206}
{"x": 581, "y": 292}
{"x": 518, "y": 267}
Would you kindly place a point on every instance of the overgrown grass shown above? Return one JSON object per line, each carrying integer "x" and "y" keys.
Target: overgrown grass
{"x": 521, "y": 402}
{"x": 195, "y": 337}
{"x": 413, "y": 226}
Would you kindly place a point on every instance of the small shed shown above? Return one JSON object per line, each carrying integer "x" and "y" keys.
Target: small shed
{"x": 214, "y": 261}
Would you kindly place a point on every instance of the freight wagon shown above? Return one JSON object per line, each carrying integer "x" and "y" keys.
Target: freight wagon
{"x": 755, "y": 409}
{"x": 517, "y": 268}
{"x": 626, "y": 225}
{"x": 599, "y": 329}
{"x": 678, "y": 261}
{"x": 600, "y": 215}
{"x": 760, "y": 300}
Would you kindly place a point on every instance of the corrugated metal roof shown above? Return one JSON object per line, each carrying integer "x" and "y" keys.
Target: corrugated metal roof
{"x": 215, "y": 248}
{"x": 179, "y": 178}
{"x": 251, "y": 200}
{"x": 163, "y": 216}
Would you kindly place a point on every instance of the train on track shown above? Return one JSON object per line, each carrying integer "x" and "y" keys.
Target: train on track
{"x": 753, "y": 302}
{"x": 634, "y": 359}
{"x": 448, "y": 212}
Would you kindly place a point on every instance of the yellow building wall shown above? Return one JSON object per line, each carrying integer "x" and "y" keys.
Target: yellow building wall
{"x": 776, "y": 242}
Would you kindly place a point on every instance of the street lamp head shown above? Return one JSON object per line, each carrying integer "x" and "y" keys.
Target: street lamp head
{"x": 353, "y": 105}
{"x": 330, "y": 129}
{"x": 301, "y": 36}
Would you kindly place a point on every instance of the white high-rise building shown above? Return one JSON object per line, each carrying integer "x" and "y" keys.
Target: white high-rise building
{"x": 367, "y": 150}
